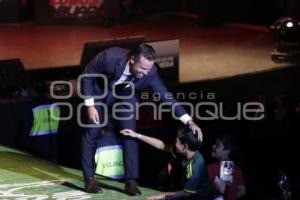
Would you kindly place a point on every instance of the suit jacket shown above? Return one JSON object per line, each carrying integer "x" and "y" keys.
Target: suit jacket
{"x": 111, "y": 63}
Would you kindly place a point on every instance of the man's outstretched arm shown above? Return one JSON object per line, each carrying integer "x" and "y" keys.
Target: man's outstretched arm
{"x": 158, "y": 86}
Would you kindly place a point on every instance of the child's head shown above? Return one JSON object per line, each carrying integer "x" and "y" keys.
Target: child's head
{"x": 224, "y": 148}
{"x": 186, "y": 140}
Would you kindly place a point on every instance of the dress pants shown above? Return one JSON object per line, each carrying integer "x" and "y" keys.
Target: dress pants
{"x": 130, "y": 146}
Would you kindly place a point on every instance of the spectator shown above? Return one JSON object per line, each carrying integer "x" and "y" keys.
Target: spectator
{"x": 224, "y": 150}
{"x": 196, "y": 183}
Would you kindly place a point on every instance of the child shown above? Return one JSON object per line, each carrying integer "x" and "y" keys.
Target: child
{"x": 223, "y": 150}
{"x": 196, "y": 183}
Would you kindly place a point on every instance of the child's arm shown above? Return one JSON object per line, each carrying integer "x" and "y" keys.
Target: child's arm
{"x": 170, "y": 195}
{"x": 149, "y": 140}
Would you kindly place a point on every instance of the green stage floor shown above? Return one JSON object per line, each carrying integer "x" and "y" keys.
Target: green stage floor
{"x": 24, "y": 177}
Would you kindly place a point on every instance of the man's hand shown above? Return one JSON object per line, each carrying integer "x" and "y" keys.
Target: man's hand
{"x": 93, "y": 114}
{"x": 195, "y": 129}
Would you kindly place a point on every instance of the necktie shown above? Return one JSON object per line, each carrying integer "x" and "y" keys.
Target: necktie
{"x": 121, "y": 86}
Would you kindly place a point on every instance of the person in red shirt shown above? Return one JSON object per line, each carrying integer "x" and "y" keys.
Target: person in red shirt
{"x": 223, "y": 150}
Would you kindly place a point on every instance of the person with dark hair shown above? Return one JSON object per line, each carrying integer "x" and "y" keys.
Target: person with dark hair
{"x": 195, "y": 183}
{"x": 125, "y": 72}
{"x": 225, "y": 149}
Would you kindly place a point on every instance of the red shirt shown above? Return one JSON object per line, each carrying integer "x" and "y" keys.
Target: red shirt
{"x": 232, "y": 189}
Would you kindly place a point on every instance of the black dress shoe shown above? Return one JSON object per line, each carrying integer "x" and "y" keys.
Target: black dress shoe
{"x": 131, "y": 188}
{"x": 91, "y": 186}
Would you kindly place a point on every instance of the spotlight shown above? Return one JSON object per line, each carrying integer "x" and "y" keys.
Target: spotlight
{"x": 287, "y": 32}
{"x": 289, "y": 24}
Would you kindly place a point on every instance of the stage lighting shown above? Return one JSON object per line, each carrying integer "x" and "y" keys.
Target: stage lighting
{"x": 287, "y": 32}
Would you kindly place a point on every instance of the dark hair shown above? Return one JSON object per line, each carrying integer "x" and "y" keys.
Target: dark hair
{"x": 186, "y": 136}
{"x": 229, "y": 143}
{"x": 144, "y": 50}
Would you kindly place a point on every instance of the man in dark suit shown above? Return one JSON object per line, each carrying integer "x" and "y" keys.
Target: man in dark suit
{"x": 124, "y": 71}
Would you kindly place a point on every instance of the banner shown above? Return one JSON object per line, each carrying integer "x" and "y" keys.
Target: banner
{"x": 167, "y": 52}
{"x": 68, "y": 11}
{"x": 45, "y": 120}
{"x": 109, "y": 160}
